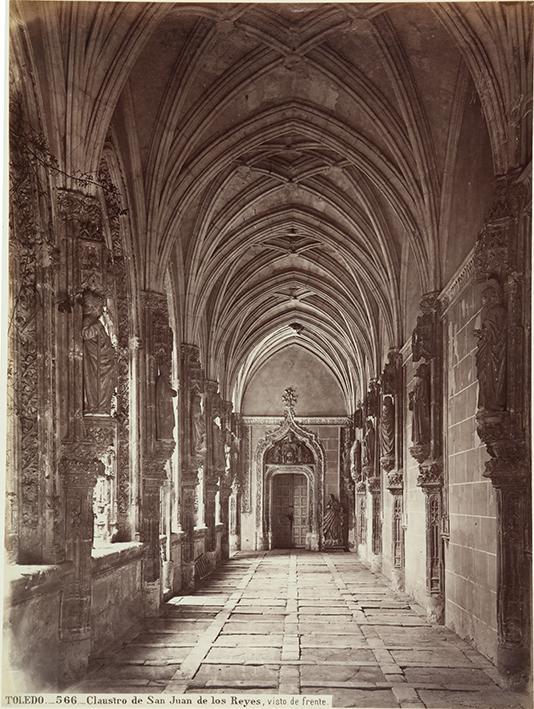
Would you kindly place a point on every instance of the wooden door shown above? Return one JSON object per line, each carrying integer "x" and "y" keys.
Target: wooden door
{"x": 300, "y": 506}
{"x": 289, "y": 511}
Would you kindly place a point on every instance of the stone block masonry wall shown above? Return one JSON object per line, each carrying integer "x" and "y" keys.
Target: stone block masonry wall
{"x": 32, "y": 654}
{"x": 470, "y": 554}
{"x": 116, "y": 595}
{"x": 329, "y": 437}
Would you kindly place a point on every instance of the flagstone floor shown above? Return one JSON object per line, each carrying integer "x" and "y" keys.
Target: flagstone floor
{"x": 301, "y": 623}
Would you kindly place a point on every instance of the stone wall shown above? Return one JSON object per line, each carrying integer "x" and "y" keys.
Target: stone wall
{"x": 31, "y": 628}
{"x": 116, "y": 594}
{"x": 470, "y": 554}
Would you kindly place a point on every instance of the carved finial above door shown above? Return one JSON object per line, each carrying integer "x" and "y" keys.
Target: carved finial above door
{"x": 289, "y": 399}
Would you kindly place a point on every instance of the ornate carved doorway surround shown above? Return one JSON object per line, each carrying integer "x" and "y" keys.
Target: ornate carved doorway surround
{"x": 290, "y": 448}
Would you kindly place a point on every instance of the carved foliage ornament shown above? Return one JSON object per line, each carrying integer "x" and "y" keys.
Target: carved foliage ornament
{"x": 430, "y": 475}
{"x": 31, "y": 251}
{"x": 290, "y": 398}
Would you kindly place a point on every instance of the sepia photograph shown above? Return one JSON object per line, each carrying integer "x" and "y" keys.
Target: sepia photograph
{"x": 267, "y": 354}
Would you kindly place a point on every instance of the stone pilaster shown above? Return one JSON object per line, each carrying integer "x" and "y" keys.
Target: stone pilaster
{"x": 426, "y": 401}
{"x": 79, "y": 466}
{"x": 237, "y": 468}
{"x": 158, "y": 441}
{"x": 87, "y": 383}
{"x": 502, "y": 268}
{"x": 213, "y": 468}
{"x": 391, "y": 456}
{"x": 227, "y": 476}
{"x": 371, "y": 467}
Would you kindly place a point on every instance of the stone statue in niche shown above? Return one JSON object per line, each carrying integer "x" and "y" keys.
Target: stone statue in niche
{"x": 372, "y": 400}
{"x": 99, "y": 355}
{"x": 368, "y": 448}
{"x": 198, "y": 427}
{"x": 390, "y": 375}
{"x": 490, "y": 357}
{"x": 333, "y": 523}
{"x": 164, "y": 402}
{"x": 419, "y": 405}
{"x": 387, "y": 428}
{"x": 423, "y": 338}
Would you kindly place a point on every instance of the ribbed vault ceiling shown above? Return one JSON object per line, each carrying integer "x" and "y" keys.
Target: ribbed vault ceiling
{"x": 291, "y": 159}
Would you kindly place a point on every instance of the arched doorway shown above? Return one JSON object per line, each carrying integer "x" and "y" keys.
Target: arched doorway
{"x": 289, "y": 513}
{"x": 289, "y": 450}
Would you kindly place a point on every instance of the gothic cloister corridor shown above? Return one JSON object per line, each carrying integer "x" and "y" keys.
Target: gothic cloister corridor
{"x": 270, "y": 287}
{"x": 297, "y": 622}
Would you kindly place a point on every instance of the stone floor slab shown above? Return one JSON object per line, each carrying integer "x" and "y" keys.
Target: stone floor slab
{"x": 292, "y": 621}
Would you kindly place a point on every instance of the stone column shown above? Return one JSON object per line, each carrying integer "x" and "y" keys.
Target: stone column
{"x": 426, "y": 406}
{"x": 501, "y": 262}
{"x": 371, "y": 468}
{"x": 237, "y": 467}
{"x": 391, "y": 456}
{"x": 211, "y": 473}
{"x": 346, "y": 483}
{"x": 158, "y": 441}
{"x": 193, "y": 452}
{"x": 358, "y": 478}
{"x": 227, "y": 476}
{"x": 79, "y": 466}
